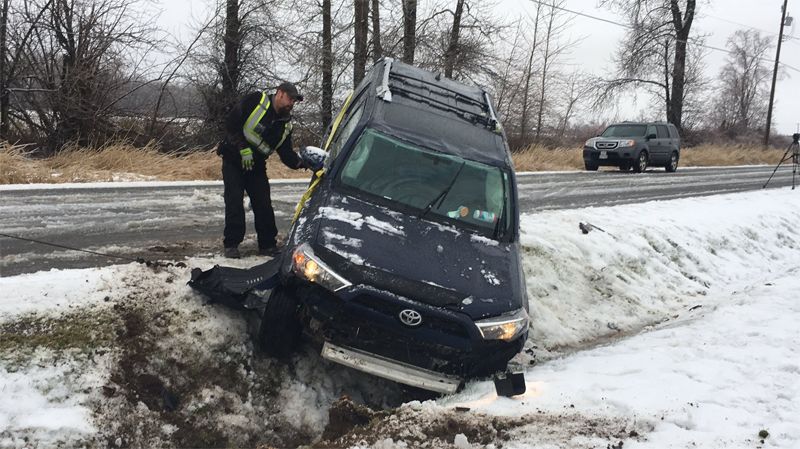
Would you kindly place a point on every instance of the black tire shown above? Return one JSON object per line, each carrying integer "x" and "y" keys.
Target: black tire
{"x": 279, "y": 332}
{"x": 589, "y": 166}
{"x": 624, "y": 167}
{"x": 672, "y": 165}
{"x": 640, "y": 164}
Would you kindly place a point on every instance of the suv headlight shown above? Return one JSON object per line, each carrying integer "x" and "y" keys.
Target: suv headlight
{"x": 626, "y": 143}
{"x": 589, "y": 143}
{"x": 504, "y": 327}
{"x": 309, "y": 267}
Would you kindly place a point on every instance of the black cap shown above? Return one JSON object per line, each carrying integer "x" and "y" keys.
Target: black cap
{"x": 290, "y": 90}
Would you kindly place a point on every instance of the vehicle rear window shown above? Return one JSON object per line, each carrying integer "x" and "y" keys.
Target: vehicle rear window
{"x": 662, "y": 131}
{"x": 673, "y": 132}
{"x": 624, "y": 131}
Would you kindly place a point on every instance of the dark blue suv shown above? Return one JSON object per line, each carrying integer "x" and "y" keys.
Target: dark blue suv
{"x": 403, "y": 259}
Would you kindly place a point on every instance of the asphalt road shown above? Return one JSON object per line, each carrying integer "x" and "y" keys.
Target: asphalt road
{"x": 175, "y": 221}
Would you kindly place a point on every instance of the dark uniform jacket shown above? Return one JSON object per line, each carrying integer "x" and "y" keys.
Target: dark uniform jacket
{"x": 272, "y": 128}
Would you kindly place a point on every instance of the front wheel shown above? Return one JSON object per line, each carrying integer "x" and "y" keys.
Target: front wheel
{"x": 673, "y": 163}
{"x": 590, "y": 166}
{"x": 279, "y": 333}
{"x": 641, "y": 162}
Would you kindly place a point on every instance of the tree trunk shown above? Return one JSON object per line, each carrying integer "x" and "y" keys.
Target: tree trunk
{"x": 409, "y": 30}
{"x": 361, "y": 10}
{"x": 666, "y": 79}
{"x": 377, "y": 49}
{"x": 682, "y": 27}
{"x": 233, "y": 44}
{"x": 452, "y": 48}
{"x": 327, "y": 65}
{"x": 4, "y": 98}
{"x": 523, "y": 123}
{"x": 544, "y": 72}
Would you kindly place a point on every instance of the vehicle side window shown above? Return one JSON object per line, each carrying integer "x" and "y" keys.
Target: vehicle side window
{"x": 651, "y": 129}
{"x": 345, "y": 130}
{"x": 662, "y": 132}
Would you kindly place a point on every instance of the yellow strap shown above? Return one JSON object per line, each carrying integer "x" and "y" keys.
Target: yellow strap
{"x": 304, "y": 199}
{"x": 287, "y": 129}
{"x": 338, "y": 120}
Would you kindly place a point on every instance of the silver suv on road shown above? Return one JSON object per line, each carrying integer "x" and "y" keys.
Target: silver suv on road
{"x": 634, "y": 145}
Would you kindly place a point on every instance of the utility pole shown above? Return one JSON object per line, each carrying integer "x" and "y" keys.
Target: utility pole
{"x": 774, "y": 77}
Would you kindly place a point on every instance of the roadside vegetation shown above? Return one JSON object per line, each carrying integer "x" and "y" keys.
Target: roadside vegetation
{"x": 123, "y": 162}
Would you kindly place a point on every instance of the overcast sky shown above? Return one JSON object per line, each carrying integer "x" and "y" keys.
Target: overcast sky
{"x": 718, "y": 19}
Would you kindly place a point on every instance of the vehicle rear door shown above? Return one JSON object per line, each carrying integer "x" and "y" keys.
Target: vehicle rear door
{"x": 662, "y": 154}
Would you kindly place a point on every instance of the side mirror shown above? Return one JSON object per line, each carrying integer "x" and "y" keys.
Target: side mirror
{"x": 313, "y": 157}
{"x": 651, "y": 136}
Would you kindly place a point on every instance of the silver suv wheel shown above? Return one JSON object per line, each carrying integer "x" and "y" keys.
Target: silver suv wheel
{"x": 673, "y": 163}
{"x": 641, "y": 162}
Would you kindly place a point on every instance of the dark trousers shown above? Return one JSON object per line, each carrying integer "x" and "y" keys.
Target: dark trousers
{"x": 256, "y": 184}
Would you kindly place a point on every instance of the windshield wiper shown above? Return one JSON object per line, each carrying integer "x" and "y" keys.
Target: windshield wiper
{"x": 440, "y": 197}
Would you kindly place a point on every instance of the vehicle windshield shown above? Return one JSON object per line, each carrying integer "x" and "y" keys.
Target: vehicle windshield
{"x": 468, "y": 193}
{"x": 624, "y": 131}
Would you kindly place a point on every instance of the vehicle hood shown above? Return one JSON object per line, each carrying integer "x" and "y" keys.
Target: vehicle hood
{"x": 418, "y": 259}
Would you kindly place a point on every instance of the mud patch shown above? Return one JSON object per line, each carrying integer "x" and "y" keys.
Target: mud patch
{"x": 423, "y": 425}
{"x": 186, "y": 374}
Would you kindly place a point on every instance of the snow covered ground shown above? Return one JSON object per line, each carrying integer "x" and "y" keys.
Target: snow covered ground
{"x": 670, "y": 324}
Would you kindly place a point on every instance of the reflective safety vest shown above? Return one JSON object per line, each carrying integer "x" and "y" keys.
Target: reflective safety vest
{"x": 253, "y": 128}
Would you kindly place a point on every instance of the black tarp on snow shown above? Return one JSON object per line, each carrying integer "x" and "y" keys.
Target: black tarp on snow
{"x": 239, "y": 288}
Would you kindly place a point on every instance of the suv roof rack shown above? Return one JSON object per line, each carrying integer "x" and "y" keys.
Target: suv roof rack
{"x": 415, "y": 87}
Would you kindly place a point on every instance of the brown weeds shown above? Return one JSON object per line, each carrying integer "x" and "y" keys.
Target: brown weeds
{"x": 123, "y": 162}
{"x": 539, "y": 158}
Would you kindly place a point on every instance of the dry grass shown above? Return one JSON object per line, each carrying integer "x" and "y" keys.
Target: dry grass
{"x": 538, "y": 158}
{"x": 117, "y": 162}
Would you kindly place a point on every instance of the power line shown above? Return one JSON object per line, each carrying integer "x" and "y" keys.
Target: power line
{"x": 624, "y": 25}
{"x": 788, "y": 38}
{"x": 140, "y": 260}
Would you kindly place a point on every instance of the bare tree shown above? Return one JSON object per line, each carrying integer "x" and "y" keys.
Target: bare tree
{"x": 452, "y": 47}
{"x": 743, "y": 92}
{"x": 327, "y": 65}
{"x": 361, "y": 30}
{"x": 377, "y": 49}
{"x": 528, "y": 75}
{"x": 552, "y": 50}
{"x": 3, "y": 78}
{"x": 78, "y": 65}
{"x": 654, "y": 51}
{"x": 409, "y": 30}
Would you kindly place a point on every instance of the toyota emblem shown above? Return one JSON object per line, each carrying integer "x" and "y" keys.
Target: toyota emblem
{"x": 410, "y": 318}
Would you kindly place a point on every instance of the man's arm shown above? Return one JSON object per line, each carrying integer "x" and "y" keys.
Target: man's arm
{"x": 234, "y": 124}
{"x": 287, "y": 155}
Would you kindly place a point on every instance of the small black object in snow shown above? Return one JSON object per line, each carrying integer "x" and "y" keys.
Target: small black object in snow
{"x": 509, "y": 384}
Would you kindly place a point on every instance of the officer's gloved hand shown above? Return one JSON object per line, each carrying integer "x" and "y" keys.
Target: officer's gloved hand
{"x": 247, "y": 159}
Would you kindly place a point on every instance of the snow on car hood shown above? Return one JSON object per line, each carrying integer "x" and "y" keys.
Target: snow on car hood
{"x": 476, "y": 274}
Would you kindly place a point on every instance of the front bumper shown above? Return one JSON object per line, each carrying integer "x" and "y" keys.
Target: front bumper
{"x": 609, "y": 157}
{"x": 365, "y": 319}
{"x": 390, "y": 369}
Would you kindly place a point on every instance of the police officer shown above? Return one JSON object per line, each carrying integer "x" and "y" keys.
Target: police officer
{"x": 256, "y": 127}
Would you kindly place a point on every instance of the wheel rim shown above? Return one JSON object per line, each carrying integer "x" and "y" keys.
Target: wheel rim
{"x": 673, "y": 163}
{"x": 642, "y": 162}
